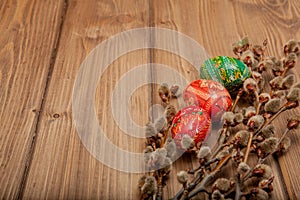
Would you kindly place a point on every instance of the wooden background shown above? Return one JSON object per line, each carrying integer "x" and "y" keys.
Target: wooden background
{"x": 42, "y": 44}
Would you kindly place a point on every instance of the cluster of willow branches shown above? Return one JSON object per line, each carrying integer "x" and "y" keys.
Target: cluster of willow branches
{"x": 247, "y": 129}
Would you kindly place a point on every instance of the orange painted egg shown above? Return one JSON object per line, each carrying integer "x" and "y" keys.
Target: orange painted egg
{"x": 210, "y": 95}
{"x": 192, "y": 121}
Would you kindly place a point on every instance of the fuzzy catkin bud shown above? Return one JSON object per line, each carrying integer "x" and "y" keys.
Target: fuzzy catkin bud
{"x": 290, "y": 61}
{"x": 264, "y": 98}
{"x": 259, "y": 194}
{"x": 148, "y": 149}
{"x": 170, "y": 146}
{"x": 157, "y": 157}
{"x": 263, "y": 183}
{"x": 175, "y": 91}
{"x": 269, "y": 62}
{"x": 293, "y": 122}
{"x": 257, "y": 76}
{"x": 248, "y": 57}
{"x": 217, "y": 195}
{"x": 150, "y": 186}
{"x": 250, "y": 85}
{"x": 293, "y": 95}
{"x": 222, "y": 184}
{"x": 269, "y": 145}
{"x": 273, "y": 105}
{"x": 150, "y": 130}
{"x": 243, "y": 168}
{"x": 170, "y": 112}
{"x": 276, "y": 82}
{"x": 241, "y": 46}
{"x": 228, "y": 118}
{"x": 262, "y": 170}
{"x": 141, "y": 181}
{"x": 291, "y": 57}
{"x": 277, "y": 68}
{"x": 147, "y": 153}
{"x": 257, "y": 50}
{"x": 204, "y": 152}
{"x": 285, "y": 144}
{"x": 182, "y": 177}
{"x": 288, "y": 81}
{"x": 268, "y": 131}
{"x": 281, "y": 94}
{"x": 292, "y": 46}
{"x": 256, "y": 122}
{"x": 243, "y": 137}
{"x": 250, "y": 111}
{"x": 160, "y": 124}
{"x": 238, "y": 118}
{"x": 164, "y": 92}
{"x": 235, "y": 154}
{"x": 187, "y": 142}
{"x": 166, "y": 166}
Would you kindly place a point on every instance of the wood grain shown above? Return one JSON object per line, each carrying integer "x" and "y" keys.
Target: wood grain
{"x": 62, "y": 167}
{"x": 27, "y": 42}
{"x": 278, "y": 22}
{"x": 216, "y": 26}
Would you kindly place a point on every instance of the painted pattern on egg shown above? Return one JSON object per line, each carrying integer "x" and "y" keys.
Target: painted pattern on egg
{"x": 231, "y": 72}
{"x": 210, "y": 95}
{"x": 192, "y": 121}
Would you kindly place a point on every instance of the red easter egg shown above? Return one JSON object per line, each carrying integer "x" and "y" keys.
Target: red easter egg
{"x": 210, "y": 95}
{"x": 193, "y": 121}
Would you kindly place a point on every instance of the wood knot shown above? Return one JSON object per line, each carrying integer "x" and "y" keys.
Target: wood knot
{"x": 92, "y": 33}
{"x": 16, "y": 26}
{"x": 165, "y": 24}
{"x": 124, "y": 18}
{"x": 56, "y": 115}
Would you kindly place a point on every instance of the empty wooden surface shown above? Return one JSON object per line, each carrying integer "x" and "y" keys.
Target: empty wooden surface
{"x": 27, "y": 48}
{"x": 42, "y": 45}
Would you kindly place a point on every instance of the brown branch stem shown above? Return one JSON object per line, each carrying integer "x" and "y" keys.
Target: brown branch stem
{"x": 221, "y": 141}
{"x": 248, "y": 147}
{"x": 268, "y": 121}
{"x": 209, "y": 177}
{"x": 276, "y": 115}
{"x": 284, "y": 71}
{"x": 258, "y": 108}
{"x": 237, "y": 99}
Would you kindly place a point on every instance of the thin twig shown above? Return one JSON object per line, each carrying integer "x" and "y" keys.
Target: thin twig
{"x": 248, "y": 147}
{"x": 209, "y": 177}
{"x": 261, "y": 160}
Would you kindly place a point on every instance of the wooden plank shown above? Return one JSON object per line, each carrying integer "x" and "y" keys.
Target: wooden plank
{"x": 216, "y": 25}
{"x": 178, "y": 16}
{"x": 27, "y": 43}
{"x": 62, "y": 167}
{"x": 278, "y": 22}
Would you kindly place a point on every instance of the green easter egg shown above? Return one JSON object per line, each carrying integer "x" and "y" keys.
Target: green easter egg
{"x": 231, "y": 72}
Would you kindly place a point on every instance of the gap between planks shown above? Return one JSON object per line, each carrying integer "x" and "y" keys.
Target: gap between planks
{"x": 41, "y": 107}
{"x": 151, "y": 53}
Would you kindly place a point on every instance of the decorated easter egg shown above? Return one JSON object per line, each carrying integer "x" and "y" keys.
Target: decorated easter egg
{"x": 192, "y": 121}
{"x": 210, "y": 95}
{"x": 229, "y": 71}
